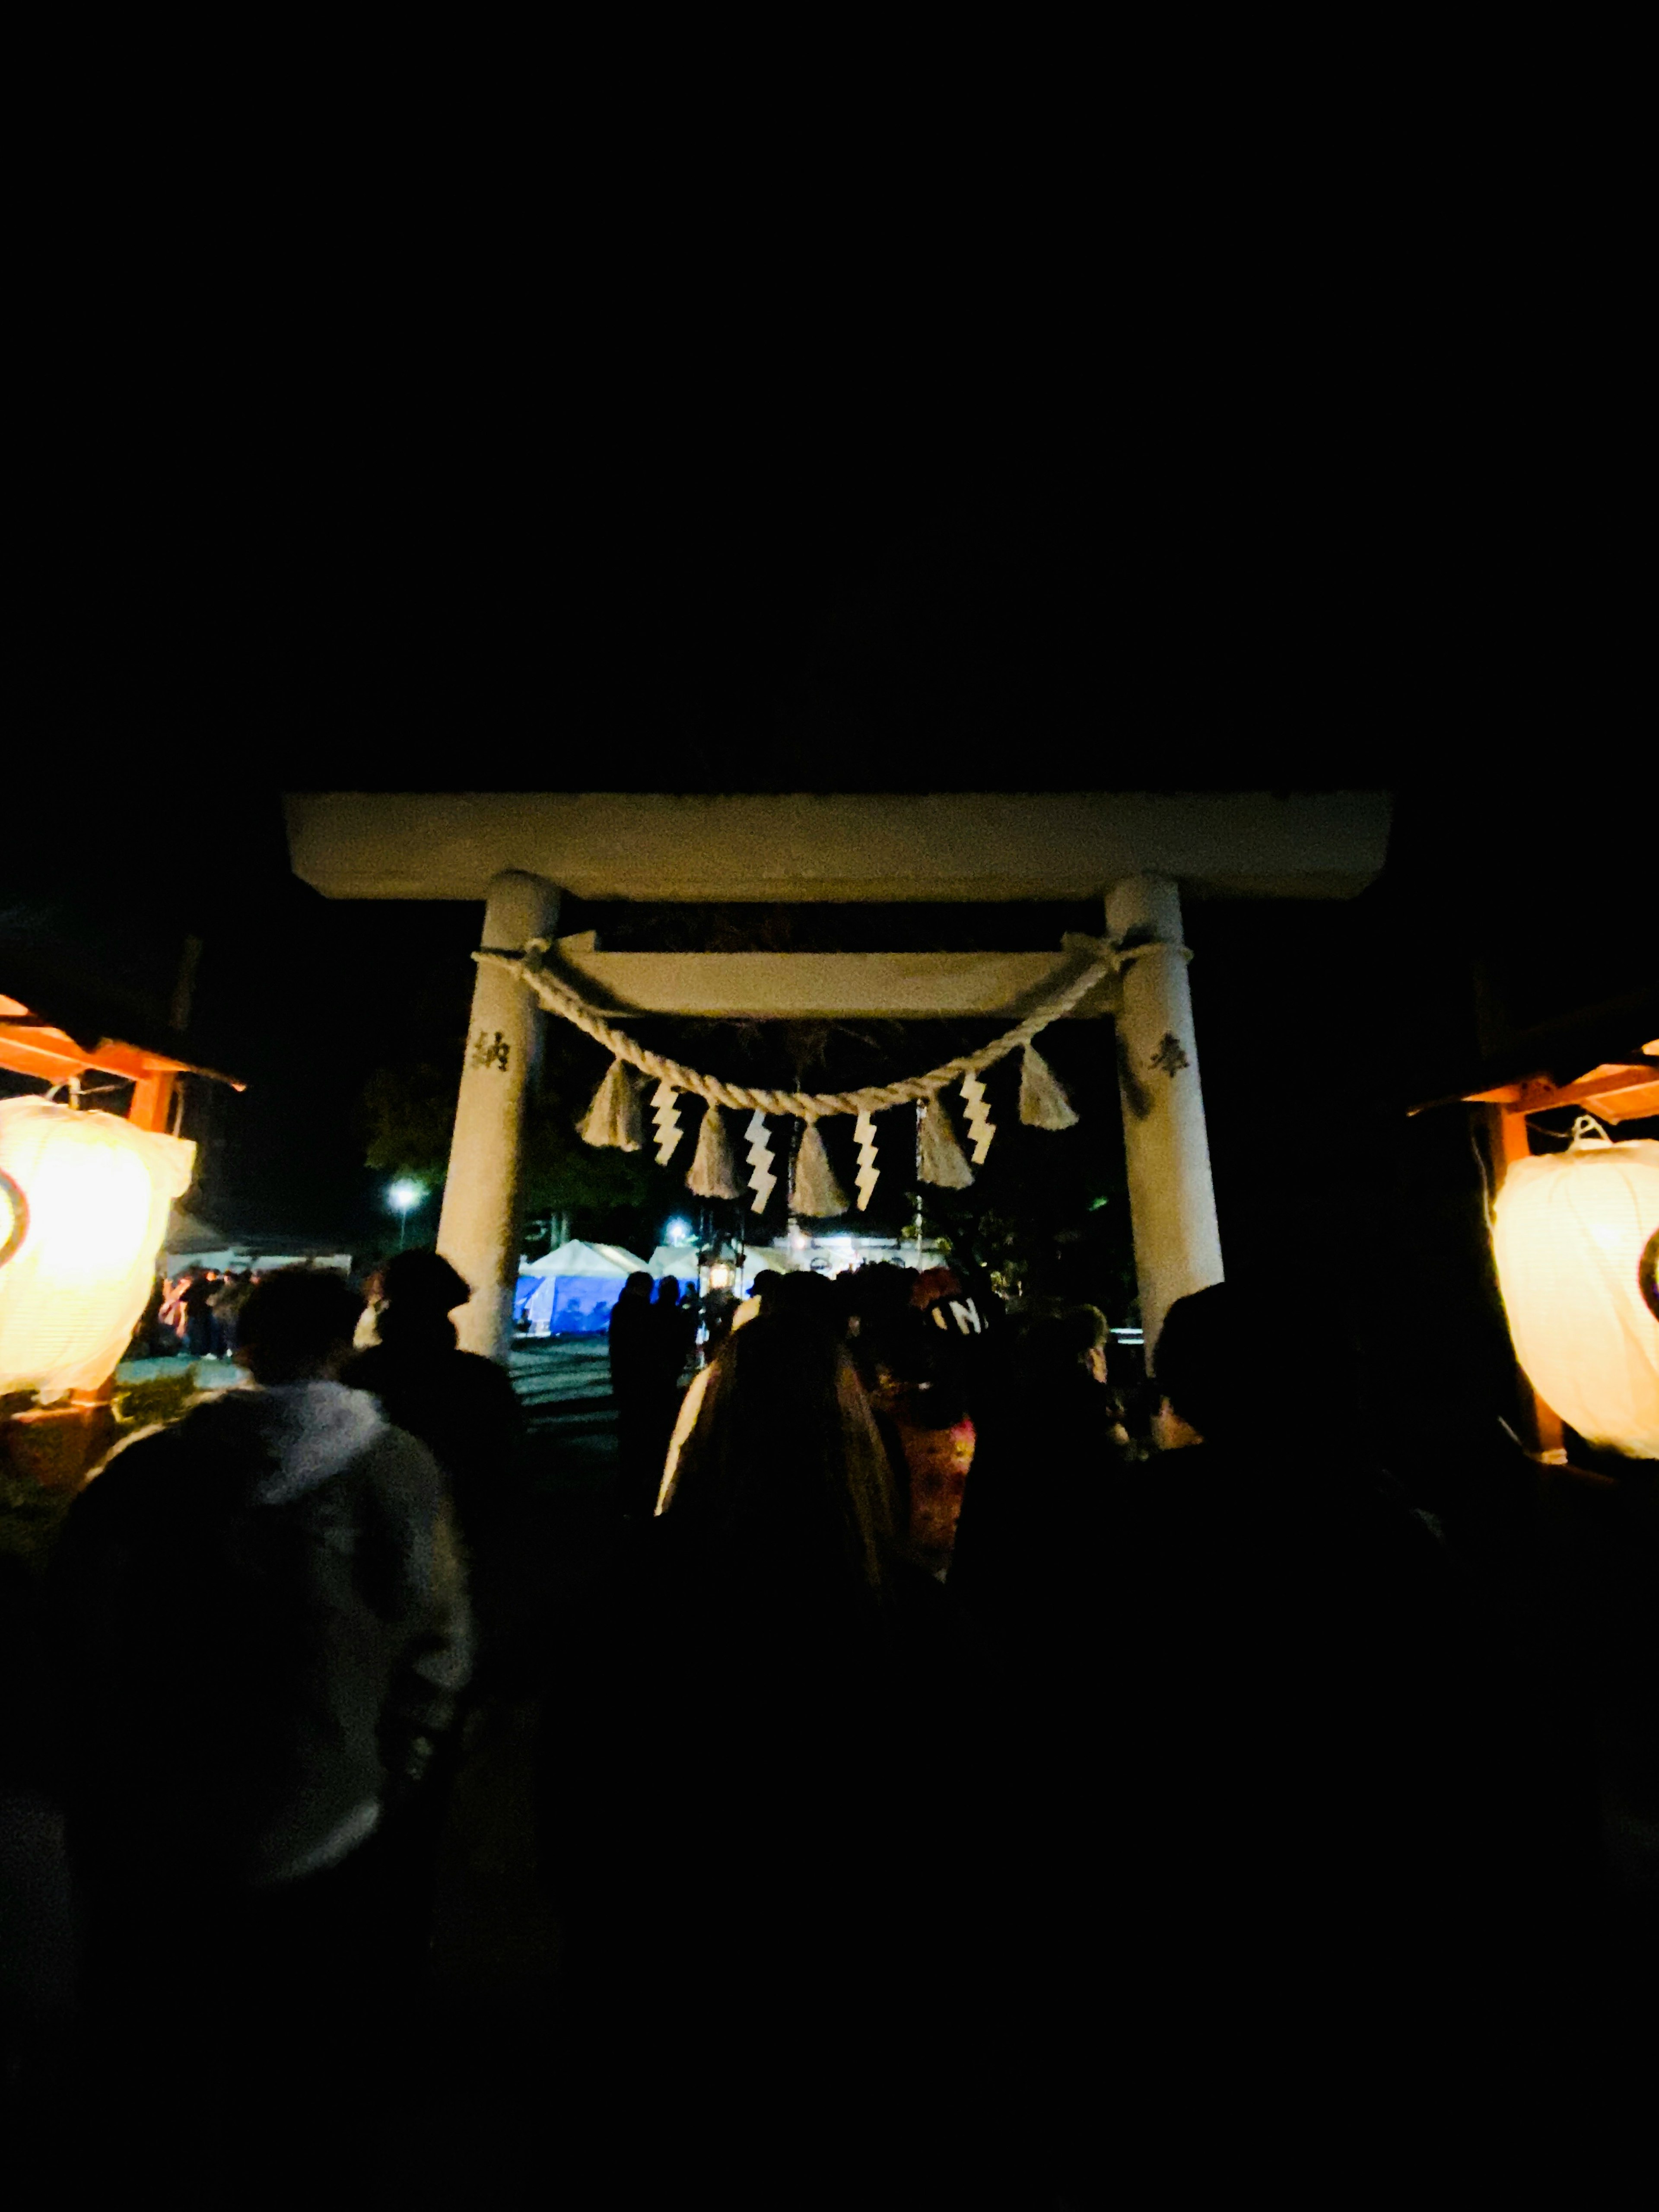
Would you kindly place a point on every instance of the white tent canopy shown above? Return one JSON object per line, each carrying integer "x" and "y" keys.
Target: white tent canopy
{"x": 679, "y": 1261}
{"x": 578, "y": 1258}
{"x": 572, "y": 1289}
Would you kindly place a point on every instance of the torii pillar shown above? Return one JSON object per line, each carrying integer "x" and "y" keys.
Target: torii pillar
{"x": 1171, "y": 1195}
{"x": 478, "y": 1230}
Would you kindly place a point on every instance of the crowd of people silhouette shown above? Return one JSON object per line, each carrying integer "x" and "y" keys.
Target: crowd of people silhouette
{"x": 969, "y": 1757}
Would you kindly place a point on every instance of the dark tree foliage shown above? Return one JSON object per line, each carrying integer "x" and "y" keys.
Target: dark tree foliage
{"x": 410, "y": 1111}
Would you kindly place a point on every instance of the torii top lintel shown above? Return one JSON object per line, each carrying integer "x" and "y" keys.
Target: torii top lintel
{"x": 956, "y": 846}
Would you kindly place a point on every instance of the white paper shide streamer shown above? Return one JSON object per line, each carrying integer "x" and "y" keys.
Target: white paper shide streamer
{"x": 864, "y": 1130}
{"x": 762, "y": 1181}
{"x": 666, "y": 1118}
{"x": 981, "y": 1127}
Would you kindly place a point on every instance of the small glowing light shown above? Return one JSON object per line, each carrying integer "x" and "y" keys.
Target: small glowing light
{"x": 719, "y": 1276}
{"x": 406, "y": 1196}
{"x": 677, "y": 1232}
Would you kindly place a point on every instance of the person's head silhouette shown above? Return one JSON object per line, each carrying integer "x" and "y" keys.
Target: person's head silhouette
{"x": 297, "y": 1326}
{"x": 419, "y": 1291}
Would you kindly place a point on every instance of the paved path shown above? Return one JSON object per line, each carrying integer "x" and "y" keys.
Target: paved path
{"x": 209, "y": 1374}
{"x": 559, "y": 1375}
{"x": 559, "y": 1372}
{"x": 563, "y": 1386}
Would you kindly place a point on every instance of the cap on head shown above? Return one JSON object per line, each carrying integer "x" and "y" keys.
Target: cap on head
{"x": 423, "y": 1282}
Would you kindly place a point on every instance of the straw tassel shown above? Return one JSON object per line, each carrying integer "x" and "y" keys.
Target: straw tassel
{"x": 942, "y": 1161}
{"x": 1043, "y": 1103}
{"x": 712, "y": 1174}
{"x": 813, "y": 1188}
{"x": 614, "y": 1117}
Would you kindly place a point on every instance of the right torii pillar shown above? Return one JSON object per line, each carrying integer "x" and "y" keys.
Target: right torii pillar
{"x": 1171, "y": 1195}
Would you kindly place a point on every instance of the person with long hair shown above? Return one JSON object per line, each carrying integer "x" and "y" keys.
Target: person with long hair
{"x": 760, "y": 1823}
{"x": 784, "y": 1469}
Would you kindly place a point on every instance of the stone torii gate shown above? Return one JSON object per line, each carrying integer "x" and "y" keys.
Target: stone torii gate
{"x": 1137, "y": 851}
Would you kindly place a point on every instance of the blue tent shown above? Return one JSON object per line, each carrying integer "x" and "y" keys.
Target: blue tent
{"x": 572, "y": 1291}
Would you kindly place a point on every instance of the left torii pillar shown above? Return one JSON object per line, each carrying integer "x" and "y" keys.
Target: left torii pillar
{"x": 478, "y": 1230}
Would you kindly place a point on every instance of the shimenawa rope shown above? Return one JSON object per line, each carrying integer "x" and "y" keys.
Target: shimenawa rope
{"x": 806, "y": 1105}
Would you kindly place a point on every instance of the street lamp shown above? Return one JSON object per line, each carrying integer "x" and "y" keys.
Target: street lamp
{"x": 405, "y": 1196}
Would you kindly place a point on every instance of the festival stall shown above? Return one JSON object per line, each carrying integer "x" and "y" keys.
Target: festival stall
{"x": 572, "y": 1291}
{"x": 805, "y": 1251}
{"x": 250, "y": 1258}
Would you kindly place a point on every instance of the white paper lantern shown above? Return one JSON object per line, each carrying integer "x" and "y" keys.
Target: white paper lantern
{"x": 1570, "y": 1231}
{"x": 98, "y": 1191}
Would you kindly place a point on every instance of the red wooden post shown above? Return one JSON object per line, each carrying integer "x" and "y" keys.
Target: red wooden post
{"x": 152, "y": 1099}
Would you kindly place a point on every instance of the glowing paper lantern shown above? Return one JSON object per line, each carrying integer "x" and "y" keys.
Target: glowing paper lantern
{"x": 97, "y": 1192}
{"x": 1570, "y": 1233}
